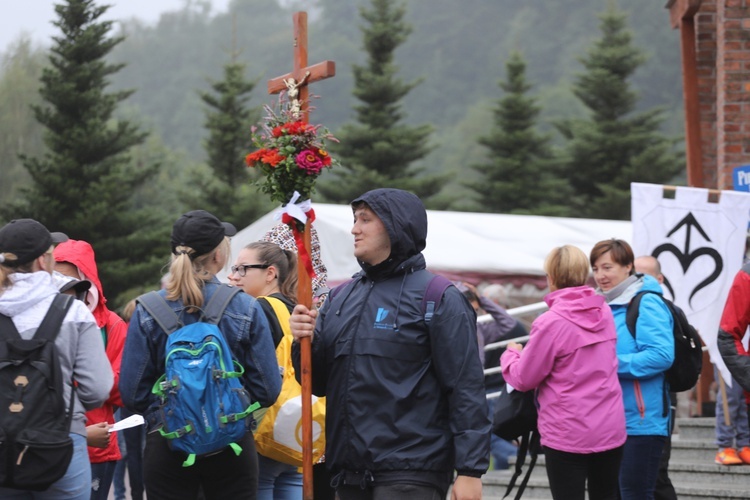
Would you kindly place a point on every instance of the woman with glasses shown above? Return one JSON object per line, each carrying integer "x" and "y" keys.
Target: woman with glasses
{"x": 269, "y": 273}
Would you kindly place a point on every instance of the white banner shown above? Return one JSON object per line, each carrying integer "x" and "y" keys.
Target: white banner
{"x": 700, "y": 246}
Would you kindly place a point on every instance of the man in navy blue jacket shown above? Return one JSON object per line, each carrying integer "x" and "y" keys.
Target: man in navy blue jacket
{"x": 406, "y": 401}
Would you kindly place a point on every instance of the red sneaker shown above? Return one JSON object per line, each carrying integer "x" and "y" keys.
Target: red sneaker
{"x": 744, "y": 454}
{"x": 728, "y": 456}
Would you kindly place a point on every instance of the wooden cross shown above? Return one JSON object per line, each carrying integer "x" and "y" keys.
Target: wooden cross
{"x": 302, "y": 75}
{"x": 296, "y": 83}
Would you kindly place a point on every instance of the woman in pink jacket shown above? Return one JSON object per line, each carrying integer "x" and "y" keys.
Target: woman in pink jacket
{"x": 570, "y": 359}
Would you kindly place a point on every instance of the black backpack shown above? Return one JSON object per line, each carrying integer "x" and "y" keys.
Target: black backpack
{"x": 688, "y": 350}
{"x": 515, "y": 417}
{"x": 35, "y": 445}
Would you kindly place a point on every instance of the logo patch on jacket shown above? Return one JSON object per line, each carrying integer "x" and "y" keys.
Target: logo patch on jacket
{"x": 380, "y": 318}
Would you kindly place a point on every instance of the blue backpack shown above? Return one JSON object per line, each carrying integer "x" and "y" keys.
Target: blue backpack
{"x": 204, "y": 406}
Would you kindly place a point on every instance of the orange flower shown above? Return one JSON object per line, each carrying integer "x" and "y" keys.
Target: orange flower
{"x": 297, "y": 128}
{"x": 272, "y": 157}
{"x": 255, "y": 157}
{"x": 324, "y": 157}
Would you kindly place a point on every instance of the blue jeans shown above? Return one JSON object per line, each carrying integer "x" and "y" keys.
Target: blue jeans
{"x": 131, "y": 441}
{"x": 500, "y": 449}
{"x": 74, "y": 485}
{"x": 277, "y": 480}
{"x": 119, "y": 478}
{"x": 737, "y": 432}
{"x": 101, "y": 479}
{"x": 640, "y": 467}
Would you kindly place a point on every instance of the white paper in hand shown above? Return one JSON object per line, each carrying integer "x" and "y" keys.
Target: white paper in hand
{"x": 131, "y": 421}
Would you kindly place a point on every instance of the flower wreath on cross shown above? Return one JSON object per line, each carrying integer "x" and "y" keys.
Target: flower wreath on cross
{"x": 290, "y": 154}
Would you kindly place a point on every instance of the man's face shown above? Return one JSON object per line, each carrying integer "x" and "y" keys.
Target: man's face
{"x": 67, "y": 269}
{"x": 371, "y": 242}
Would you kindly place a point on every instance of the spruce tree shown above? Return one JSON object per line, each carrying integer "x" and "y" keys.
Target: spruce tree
{"x": 227, "y": 192}
{"x": 520, "y": 175}
{"x": 616, "y": 145}
{"x": 378, "y": 150}
{"x": 83, "y": 185}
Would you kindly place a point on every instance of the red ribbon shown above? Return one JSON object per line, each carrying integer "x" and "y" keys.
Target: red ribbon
{"x": 302, "y": 254}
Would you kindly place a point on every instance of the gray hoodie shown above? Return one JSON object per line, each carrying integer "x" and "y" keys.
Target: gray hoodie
{"x": 79, "y": 342}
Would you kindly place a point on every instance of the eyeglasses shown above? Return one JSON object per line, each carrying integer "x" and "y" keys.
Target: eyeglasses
{"x": 242, "y": 268}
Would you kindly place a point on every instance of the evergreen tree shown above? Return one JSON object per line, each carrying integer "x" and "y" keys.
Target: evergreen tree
{"x": 227, "y": 192}
{"x": 379, "y": 150}
{"x": 521, "y": 175}
{"x": 83, "y": 185}
{"x": 615, "y": 146}
{"x": 20, "y": 133}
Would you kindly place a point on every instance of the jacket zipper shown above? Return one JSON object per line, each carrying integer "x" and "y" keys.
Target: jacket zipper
{"x": 639, "y": 398}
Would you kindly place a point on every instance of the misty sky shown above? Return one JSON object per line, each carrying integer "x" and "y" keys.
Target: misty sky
{"x": 34, "y": 16}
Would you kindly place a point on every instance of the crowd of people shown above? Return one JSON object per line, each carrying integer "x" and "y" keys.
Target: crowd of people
{"x": 404, "y": 405}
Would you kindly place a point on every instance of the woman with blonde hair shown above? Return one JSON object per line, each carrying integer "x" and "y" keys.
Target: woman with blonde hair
{"x": 200, "y": 248}
{"x": 27, "y": 292}
{"x": 570, "y": 360}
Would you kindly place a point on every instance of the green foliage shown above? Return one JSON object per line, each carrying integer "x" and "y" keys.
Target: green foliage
{"x": 228, "y": 120}
{"x": 379, "y": 150}
{"x": 20, "y": 133}
{"x": 520, "y": 175}
{"x": 616, "y": 145}
{"x": 459, "y": 48}
{"x": 83, "y": 185}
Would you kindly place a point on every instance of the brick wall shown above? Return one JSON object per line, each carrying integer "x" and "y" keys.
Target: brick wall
{"x": 706, "y": 41}
{"x": 732, "y": 89}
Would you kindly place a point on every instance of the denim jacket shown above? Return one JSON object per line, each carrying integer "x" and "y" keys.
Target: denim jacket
{"x": 246, "y": 330}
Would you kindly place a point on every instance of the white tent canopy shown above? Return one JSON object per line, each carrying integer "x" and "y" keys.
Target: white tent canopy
{"x": 457, "y": 242}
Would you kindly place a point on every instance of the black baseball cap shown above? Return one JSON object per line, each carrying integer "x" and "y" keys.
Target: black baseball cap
{"x": 27, "y": 239}
{"x": 65, "y": 283}
{"x": 200, "y": 231}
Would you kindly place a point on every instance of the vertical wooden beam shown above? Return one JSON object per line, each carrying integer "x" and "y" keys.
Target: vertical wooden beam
{"x": 695, "y": 177}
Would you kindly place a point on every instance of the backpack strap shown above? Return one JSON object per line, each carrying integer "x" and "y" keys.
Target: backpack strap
{"x": 529, "y": 444}
{"x": 157, "y": 306}
{"x": 281, "y": 311}
{"x": 8, "y": 328}
{"x": 218, "y": 303}
{"x": 48, "y": 330}
{"x": 631, "y": 315}
{"x": 50, "y": 326}
{"x": 433, "y": 295}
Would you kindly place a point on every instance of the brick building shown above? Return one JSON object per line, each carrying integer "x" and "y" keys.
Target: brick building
{"x": 715, "y": 44}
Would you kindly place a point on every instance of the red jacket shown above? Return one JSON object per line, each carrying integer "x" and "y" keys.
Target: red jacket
{"x": 734, "y": 323}
{"x": 114, "y": 329}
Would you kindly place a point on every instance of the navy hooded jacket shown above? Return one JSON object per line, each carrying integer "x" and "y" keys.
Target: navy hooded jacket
{"x": 402, "y": 398}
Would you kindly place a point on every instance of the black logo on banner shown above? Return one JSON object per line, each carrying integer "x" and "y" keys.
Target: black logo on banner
{"x": 686, "y": 257}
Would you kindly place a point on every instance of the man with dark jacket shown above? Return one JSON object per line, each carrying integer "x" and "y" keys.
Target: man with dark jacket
{"x": 406, "y": 401}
